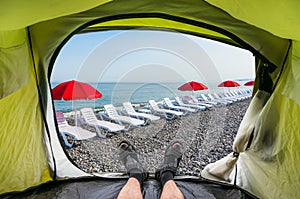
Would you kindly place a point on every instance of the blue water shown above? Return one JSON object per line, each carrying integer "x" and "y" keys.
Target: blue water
{"x": 117, "y": 93}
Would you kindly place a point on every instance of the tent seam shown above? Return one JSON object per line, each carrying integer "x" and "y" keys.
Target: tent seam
{"x": 41, "y": 101}
{"x": 283, "y": 64}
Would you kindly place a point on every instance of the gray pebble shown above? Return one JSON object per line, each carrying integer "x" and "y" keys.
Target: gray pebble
{"x": 207, "y": 137}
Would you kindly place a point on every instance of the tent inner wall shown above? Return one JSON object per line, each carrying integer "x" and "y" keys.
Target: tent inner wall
{"x": 269, "y": 168}
{"x": 48, "y": 41}
{"x": 23, "y": 157}
{"x": 14, "y": 72}
{"x": 24, "y": 163}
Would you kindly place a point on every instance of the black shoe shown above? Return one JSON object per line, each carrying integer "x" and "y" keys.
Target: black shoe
{"x": 128, "y": 155}
{"x": 173, "y": 155}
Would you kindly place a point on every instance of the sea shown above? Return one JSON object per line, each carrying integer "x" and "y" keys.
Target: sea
{"x": 117, "y": 93}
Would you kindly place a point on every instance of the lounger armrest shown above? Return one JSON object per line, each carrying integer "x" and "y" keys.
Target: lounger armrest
{"x": 143, "y": 110}
{"x": 103, "y": 115}
{"x": 122, "y": 112}
{"x": 66, "y": 141}
{"x": 80, "y": 121}
{"x": 169, "y": 116}
{"x": 176, "y": 103}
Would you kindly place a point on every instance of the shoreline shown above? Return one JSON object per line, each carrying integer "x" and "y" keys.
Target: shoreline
{"x": 70, "y": 114}
{"x": 207, "y": 137}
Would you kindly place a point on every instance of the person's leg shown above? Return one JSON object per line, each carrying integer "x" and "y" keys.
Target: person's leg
{"x": 171, "y": 191}
{"x": 136, "y": 172}
{"x": 131, "y": 190}
{"x": 167, "y": 170}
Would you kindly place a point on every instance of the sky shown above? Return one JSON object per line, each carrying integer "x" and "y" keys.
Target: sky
{"x": 150, "y": 56}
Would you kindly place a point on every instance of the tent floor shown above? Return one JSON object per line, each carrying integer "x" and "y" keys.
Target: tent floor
{"x": 109, "y": 188}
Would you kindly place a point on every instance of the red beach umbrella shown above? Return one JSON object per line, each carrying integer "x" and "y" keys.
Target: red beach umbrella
{"x": 250, "y": 83}
{"x": 75, "y": 90}
{"x": 228, "y": 83}
{"x": 192, "y": 86}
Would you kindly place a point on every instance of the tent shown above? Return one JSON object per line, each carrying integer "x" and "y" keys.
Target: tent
{"x": 267, "y": 147}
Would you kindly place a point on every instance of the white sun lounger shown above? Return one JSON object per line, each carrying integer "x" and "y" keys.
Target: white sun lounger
{"x": 113, "y": 115}
{"x": 169, "y": 114}
{"x": 196, "y": 106}
{"x": 244, "y": 93}
{"x": 227, "y": 97}
{"x": 230, "y": 97}
{"x": 235, "y": 93}
{"x": 222, "y": 101}
{"x": 218, "y": 97}
{"x": 90, "y": 119}
{"x": 195, "y": 101}
{"x": 131, "y": 112}
{"x": 168, "y": 103}
{"x": 234, "y": 96}
{"x": 76, "y": 132}
{"x": 206, "y": 100}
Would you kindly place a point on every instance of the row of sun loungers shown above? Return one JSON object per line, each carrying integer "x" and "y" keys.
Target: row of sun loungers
{"x": 169, "y": 114}
{"x": 196, "y": 106}
{"x": 117, "y": 121}
{"x": 133, "y": 113}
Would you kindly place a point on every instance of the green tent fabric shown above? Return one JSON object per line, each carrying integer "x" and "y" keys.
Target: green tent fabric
{"x": 31, "y": 36}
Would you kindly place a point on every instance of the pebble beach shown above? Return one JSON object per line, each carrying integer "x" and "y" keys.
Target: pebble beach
{"x": 207, "y": 136}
